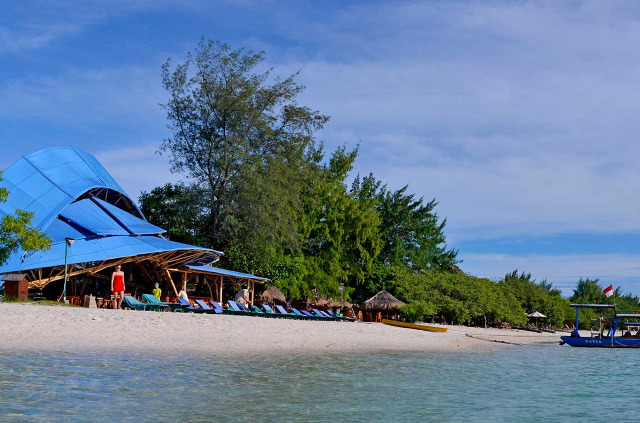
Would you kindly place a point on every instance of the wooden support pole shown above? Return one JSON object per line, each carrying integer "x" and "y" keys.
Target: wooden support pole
{"x": 206, "y": 280}
{"x": 184, "y": 282}
{"x": 253, "y": 292}
{"x": 220, "y": 289}
{"x": 168, "y": 275}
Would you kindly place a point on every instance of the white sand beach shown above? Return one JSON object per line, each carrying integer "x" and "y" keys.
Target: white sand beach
{"x": 33, "y": 327}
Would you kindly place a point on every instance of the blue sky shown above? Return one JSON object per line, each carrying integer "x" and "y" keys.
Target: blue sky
{"x": 520, "y": 118}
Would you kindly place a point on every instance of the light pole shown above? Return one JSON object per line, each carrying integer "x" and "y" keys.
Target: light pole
{"x": 67, "y": 243}
{"x": 342, "y": 296}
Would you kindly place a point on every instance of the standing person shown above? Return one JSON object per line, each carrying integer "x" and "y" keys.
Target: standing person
{"x": 157, "y": 292}
{"x": 117, "y": 287}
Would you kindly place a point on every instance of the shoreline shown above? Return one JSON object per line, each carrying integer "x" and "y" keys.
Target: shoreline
{"x": 29, "y": 327}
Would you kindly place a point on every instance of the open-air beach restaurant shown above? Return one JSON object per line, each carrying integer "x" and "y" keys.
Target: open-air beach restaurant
{"x": 95, "y": 226}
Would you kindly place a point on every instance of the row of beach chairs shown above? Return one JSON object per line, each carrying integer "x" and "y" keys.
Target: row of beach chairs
{"x": 153, "y": 304}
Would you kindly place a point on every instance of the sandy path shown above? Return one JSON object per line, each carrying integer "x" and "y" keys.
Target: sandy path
{"x": 31, "y": 327}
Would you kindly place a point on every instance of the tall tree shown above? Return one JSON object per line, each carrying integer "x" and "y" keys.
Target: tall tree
{"x": 177, "y": 208}
{"x": 412, "y": 235}
{"x": 227, "y": 120}
{"x": 16, "y": 232}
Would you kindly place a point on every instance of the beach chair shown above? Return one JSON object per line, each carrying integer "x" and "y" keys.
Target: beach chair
{"x": 298, "y": 314}
{"x": 269, "y": 310}
{"x": 186, "y": 306}
{"x": 256, "y": 310}
{"x": 236, "y": 307}
{"x": 217, "y": 307}
{"x": 321, "y": 315}
{"x": 206, "y": 308}
{"x": 133, "y": 304}
{"x": 284, "y": 313}
{"x": 244, "y": 308}
{"x": 150, "y": 299}
{"x": 306, "y": 313}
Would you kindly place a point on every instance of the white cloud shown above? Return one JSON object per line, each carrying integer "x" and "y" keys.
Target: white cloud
{"x": 518, "y": 118}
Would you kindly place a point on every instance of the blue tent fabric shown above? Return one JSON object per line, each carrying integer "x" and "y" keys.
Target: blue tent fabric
{"x": 61, "y": 187}
{"x": 224, "y": 272}
{"x": 97, "y": 249}
{"x": 88, "y": 215}
{"x": 130, "y": 222}
{"x": 47, "y": 181}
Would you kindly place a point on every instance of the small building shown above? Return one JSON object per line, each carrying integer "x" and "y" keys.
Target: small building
{"x": 16, "y": 286}
{"x": 383, "y": 305}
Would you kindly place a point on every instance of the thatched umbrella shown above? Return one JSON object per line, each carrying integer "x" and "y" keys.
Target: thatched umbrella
{"x": 334, "y": 303}
{"x": 319, "y": 302}
{"x": 273, "y": 294}
{"x": 383, "y": 300}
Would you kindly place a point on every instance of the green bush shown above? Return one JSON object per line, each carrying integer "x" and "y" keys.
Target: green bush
{"x": 417, "y": 311}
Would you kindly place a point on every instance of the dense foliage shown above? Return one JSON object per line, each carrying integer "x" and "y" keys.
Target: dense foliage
{"x": 460, "y": 298}
{"x": 16, "y": 232}
{"x": 261, "y": 188}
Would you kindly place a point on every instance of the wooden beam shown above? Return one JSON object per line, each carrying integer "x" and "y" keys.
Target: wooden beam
{"x": 168, "y": 275}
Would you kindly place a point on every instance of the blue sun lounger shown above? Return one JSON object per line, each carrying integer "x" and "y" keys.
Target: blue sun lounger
{"x": 269, "y": 310}
{"x": 186, "y": 306}
{"x": 284, "y": 313}
{"x": 345, "y": 318}
{"x": 300, "y": 315}
{"x": 150, "y": 299}
{"x": 132, "y": 303}
{"x": 256, "y": 310}
{"x": 309, "y": 315}
{"x": 217, "y": 307}
{"x": 206, "y": 308}
{"x": 320, "y": 315}
{"x": 236, "y": 308}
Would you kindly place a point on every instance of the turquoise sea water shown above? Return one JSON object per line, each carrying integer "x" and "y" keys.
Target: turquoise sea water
{"x": 524, "y": 384}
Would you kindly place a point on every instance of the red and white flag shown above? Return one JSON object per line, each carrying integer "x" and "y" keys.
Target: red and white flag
{"x": 608, "y": 291}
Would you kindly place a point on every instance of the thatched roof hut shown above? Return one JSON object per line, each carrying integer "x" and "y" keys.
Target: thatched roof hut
{"x": 319, "y": 302}
{"x": 273, "y": 294}
{"x": 337, "y": 303}
{"x": 383, "y": 300}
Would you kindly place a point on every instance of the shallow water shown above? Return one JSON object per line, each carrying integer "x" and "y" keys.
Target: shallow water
{"x": 527, "y": 384}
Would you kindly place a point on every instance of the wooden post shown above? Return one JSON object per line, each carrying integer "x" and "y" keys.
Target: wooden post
{"x": 253, "y": 286}
{"x": 168, "y": 275}
{"x": 206, "y": 280}
{"x": 184, "y": 281}
{"x": 221, "y": 289}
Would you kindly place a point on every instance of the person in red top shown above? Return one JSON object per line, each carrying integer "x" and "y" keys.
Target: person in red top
{"x": 117, "y": 287}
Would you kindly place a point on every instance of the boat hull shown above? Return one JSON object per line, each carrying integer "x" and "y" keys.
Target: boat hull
{"x": 618, "y": 342}
{"x": 413, "y": 326}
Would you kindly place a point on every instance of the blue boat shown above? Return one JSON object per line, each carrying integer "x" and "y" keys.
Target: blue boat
{"x": 599, "y": 339}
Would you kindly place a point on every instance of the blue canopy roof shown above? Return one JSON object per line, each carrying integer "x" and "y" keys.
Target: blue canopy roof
{"x": 47, "y": 181}
{"x": 224, "y": 272}
{"x": 97, "y": 249}
{"x": 73, "y": 196}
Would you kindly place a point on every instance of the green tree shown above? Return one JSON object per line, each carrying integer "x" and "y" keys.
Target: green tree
{"x": 227, "y": 120}
{"x": 340, "y": 230}
{"x": 16, "y": 232}
{"x": 177, "y": 208}
{"x": 412, "y": 233}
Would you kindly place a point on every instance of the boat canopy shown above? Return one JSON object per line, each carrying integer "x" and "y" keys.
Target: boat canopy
{"x": 593, "y": 305}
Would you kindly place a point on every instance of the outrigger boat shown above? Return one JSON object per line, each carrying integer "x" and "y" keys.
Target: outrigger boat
{"x": 598, "y": 338}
